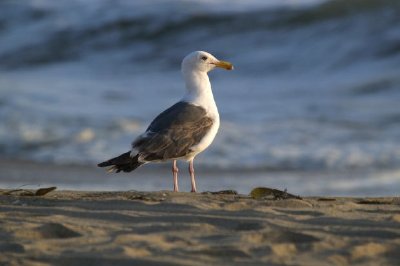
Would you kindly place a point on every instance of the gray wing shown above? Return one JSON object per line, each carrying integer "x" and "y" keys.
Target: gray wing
{"x": 173, "y": 132}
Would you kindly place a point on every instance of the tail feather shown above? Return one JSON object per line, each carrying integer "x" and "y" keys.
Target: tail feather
{"x": 124, "y": 163}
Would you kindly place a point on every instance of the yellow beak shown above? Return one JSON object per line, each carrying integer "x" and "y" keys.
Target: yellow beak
{"x": 224, "y": 64}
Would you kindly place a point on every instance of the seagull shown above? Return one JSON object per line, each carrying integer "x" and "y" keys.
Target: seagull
{"x": 183, "y": 130}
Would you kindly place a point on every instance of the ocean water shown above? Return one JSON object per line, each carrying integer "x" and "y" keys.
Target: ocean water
{"x": 316, "y": 85}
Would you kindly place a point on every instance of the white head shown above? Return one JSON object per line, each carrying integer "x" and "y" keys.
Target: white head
{"x": 200, "y": 61}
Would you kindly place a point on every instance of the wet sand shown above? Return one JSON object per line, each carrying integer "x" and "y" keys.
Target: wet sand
{"x": 166, "y": 228}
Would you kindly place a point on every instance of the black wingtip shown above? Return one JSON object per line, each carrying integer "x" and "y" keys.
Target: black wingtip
{"x": 103, "y": 164}
{"x": 124, "y": 163}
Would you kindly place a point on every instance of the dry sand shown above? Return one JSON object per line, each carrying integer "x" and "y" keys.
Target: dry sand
{"x": 166, "y": 228}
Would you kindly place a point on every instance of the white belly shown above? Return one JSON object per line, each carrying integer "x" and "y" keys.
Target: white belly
{"x": 206, "y": 141}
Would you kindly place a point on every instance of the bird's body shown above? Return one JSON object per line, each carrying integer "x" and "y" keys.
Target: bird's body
{"x": 183, "y": 130}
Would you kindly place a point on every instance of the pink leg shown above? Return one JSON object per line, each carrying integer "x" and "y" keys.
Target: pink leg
{"x": 175, "y": 171}
{"x": 191, "y": 171}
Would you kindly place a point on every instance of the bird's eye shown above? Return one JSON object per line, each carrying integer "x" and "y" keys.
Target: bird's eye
{"x": 204, "y": 58}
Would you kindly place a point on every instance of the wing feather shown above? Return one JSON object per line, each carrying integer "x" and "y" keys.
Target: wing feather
{"x": 173, "y": 132}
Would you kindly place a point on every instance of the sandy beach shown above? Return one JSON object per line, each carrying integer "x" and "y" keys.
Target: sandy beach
{"x": 166, "y": 228}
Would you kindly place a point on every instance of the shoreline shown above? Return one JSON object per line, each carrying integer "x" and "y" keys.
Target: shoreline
{"x": 17, "y": 173}
{"x": 167, "y": 228}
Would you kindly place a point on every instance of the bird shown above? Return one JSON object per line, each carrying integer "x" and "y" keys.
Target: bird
{"x": 183, "y": 130}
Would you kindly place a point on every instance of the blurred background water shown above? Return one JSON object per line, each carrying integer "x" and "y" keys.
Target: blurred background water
{"x": 316, "y": 86}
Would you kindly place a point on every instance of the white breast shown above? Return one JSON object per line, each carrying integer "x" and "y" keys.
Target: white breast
{"x": 208, "y": 138}
{"x": 199, "y": 93}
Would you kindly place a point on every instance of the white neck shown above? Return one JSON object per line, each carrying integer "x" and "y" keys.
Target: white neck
{"x": 198, "y": 88}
